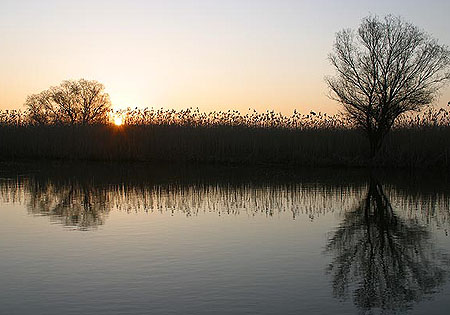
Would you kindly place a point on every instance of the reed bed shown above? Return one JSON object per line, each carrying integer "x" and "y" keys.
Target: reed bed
{"x": 190, "y": 136}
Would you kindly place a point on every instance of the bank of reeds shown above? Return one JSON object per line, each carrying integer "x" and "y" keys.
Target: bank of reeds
{"x": 189, "y": 136}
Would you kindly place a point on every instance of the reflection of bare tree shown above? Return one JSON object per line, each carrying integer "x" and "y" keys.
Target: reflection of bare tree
{"x": 73, "y": 204}
{"x": 387, "y": 262}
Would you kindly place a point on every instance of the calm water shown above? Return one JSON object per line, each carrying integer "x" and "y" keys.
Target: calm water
{"x": 109, "y": 239}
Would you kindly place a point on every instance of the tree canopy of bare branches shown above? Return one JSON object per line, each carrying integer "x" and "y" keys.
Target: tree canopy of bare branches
{"x": 71, "y": 102}
{"x": 384, "y": 69}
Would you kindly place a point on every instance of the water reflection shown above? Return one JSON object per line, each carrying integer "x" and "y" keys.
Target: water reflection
{"x": 385, "y": 261}
{"x": 384, "y": 255}
{"x": 74, "y": 204}
{"x": 84, "y": 202}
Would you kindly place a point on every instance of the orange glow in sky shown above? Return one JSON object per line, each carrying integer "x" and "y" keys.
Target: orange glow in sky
{"x": 215, "y": 55}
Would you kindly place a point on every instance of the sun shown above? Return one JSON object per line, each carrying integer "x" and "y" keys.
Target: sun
{"x": 118, "y": 121}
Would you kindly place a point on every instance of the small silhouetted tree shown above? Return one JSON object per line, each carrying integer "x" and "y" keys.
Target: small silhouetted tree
{"x": 71, "y": 102}
{"x": 386, "y": 68}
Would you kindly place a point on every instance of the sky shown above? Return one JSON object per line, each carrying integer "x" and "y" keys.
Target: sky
{"x": 215, "y": 55}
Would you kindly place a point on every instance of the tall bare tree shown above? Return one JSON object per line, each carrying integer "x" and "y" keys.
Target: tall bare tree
{"x": 71, "y": 102}
{"x": 386, "y": 68}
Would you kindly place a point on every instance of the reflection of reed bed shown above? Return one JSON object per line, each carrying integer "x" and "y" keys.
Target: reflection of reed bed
{"x": 85, "y": 202}
{"x": 83, "y": 206}
{"x": 12, "y": 190}
{"x": 295, "y": 200}
{"x": 430, "y": 208}
{"x": 421, "y": 140}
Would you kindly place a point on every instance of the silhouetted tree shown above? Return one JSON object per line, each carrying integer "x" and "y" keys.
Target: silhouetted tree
{"x": 41, "y": 109}
{"x": 72, "y": 102}
{"x": 384, "y": 69}
{"x": 389, "y": 262}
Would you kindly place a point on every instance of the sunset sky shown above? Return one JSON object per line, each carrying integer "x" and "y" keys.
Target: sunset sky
{"x": 216, "y": 55}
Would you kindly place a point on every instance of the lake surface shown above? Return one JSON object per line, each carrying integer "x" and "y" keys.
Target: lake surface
{"x": 134, "y": 239}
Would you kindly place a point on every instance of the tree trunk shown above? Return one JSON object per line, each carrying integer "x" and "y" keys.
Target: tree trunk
{"x": 375, "y": 144}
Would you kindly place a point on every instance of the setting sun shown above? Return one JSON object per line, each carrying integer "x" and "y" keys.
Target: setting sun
{"x": 118, "y": 121}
